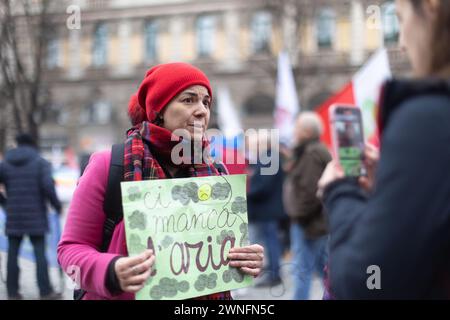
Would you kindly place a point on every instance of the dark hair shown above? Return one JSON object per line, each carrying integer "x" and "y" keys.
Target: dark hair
{"x": 159, "y": 120}
{"x": 440, "y": 46}
{"x": 25, "y": 139}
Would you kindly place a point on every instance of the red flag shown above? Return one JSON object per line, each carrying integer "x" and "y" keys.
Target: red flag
{"x": 362, "y": 91}
{"x": 344, "y": 96}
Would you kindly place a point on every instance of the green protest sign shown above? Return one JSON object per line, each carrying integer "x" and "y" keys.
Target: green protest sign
{"x": 191, "y": 224}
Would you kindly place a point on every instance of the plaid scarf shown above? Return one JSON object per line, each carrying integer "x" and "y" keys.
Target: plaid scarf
{"x": 146, "y": 140}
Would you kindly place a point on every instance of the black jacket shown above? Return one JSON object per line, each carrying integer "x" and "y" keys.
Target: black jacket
{"x": 29, "y": 184}
{"x": 404, "y": 226}
{"x": 264, "y": 197}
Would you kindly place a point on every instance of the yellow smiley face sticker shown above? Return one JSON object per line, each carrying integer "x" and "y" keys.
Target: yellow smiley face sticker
{"x": 204, "y": 192}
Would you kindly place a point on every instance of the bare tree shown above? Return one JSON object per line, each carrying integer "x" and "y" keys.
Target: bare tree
{"x": 24, "y": 34}
{"x": 291, "y": 17}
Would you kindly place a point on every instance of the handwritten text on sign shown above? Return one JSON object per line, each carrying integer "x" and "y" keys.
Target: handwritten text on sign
{"x": 190, "y": 224}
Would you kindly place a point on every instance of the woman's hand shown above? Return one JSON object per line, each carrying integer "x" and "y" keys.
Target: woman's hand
{"x": 248, "y": 259}
{"x": 133, "y": 272}
{"x": 371, "y": 158}
{"x": 332, "y": 172}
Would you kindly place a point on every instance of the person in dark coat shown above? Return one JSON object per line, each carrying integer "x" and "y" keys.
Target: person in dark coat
{"x": 29, "y": 185}
{"x": 265, "y": 211}
{"x": 393, "y": 241}
{"x": 309, "y": 230}
{"x": 2, "y": 200}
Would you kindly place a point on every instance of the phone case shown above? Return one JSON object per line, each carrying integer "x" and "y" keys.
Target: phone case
{"x": 334, "y": 136}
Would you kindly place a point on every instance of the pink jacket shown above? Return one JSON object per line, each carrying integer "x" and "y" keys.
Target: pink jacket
{"x": 78, "y": 249}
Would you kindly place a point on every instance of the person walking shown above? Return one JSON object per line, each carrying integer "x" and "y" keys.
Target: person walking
{"x": 265, "y": 210}
{"x": 309, "y": 230}
{"x": 29, "y": 186}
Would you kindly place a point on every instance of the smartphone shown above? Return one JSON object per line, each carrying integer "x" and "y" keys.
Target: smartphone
{"x": 348, "y": 138}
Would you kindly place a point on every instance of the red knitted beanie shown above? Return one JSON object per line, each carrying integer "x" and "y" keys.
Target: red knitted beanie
{"x": 163, "y": 82}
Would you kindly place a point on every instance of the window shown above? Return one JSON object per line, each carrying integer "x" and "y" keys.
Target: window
{"x": 259, "y": 104}
{"x": 53, "y": 50}
{"x": 205, "y": 35}
{"x": 100, "y": 46}
{"x": 390, "y": 22}
{"x": 63, "y": 116}
{"x": 98, "y": 112}
{"x": 102, "y": 112}
{"x": 326, "y": 24}
{"x": 55, "y": 113}
{"x": 261, "y": 29}
{"x": 151, "y": 39}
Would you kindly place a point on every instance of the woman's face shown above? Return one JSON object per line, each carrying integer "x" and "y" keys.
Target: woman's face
{"x": 189, "y": 110}
{"x": 416, "y": 33}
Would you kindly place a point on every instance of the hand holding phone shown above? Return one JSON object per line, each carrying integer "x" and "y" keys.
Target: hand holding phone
{"x": 348, "y": 139}
{"x": 371, "y": 158}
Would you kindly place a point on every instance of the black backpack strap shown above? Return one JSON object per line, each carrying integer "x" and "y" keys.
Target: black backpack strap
{"x": 112, "y": 204}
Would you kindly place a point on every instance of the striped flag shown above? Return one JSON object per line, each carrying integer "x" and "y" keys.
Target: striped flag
{"x": 286, "y": 103}
{"x": 363, "y": 91}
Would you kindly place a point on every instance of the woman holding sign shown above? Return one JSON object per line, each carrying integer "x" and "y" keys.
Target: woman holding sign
{"x": 173, "y": 96}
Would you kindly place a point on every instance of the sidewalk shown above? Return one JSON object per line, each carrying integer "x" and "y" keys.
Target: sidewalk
{"x": 28, "y": 282}
{"x": 280, "y": 292}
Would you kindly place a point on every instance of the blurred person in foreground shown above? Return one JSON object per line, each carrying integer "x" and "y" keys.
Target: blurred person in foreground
{"x": 390, "y": 231}
{"x": 29, "y": 185}
{"x": 172, "y": 96}
{"x": 308, "y": 224}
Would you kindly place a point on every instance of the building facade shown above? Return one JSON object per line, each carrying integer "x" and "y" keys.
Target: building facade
{"x": 95, "y": 63}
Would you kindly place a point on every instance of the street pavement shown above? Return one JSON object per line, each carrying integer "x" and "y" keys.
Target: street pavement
{"x": 30, "y": 291}
{"x": 28, "y": 282}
